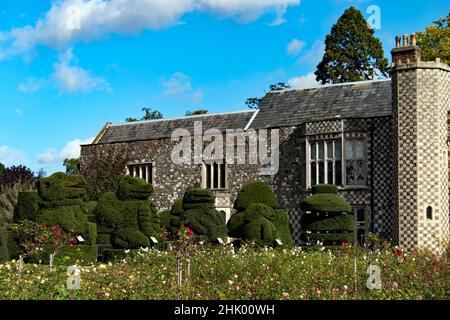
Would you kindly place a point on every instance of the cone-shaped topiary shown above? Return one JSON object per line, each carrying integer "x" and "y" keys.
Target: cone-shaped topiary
{"x": 131, "y": 188}
{"x": 61, "y": 186}
{"x": 256, "y": 192}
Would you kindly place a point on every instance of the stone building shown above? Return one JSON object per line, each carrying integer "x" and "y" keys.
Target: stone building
{"x": 383, "y": 143}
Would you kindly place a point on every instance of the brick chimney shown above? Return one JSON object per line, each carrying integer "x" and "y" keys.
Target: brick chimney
{"x": 406, "y": 52}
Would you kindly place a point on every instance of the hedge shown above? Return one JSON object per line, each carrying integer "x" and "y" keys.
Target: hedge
{"x": 27, "y": 206}
{"x": 131, "y": 188}
{"x": 129, "y": 238}
{"x": 61, "y": 186}
{"x": 104, "y": 238}
{"x": 322, "y": 202}
{"x": 327, "y": 238}
{"x": 256, "y": 192}
{"x": 331, "y": 223}
{"x": 280, "y": 221}
{"x": 207, "y": 221}
{"x": 177, "y": 207}
{"x": 325, "y": 188}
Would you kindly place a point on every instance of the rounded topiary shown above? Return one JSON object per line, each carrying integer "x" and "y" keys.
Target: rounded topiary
{"x": 61, "y": 186}
{"x": 323, "y": 202}
{"x": 325, "y": 188}
{"x": 204, "y": 220}
{"x": 27, "y": 206}
{"x": 280, "y": 220}
{"x": 261, "y": 231}
{"x": 195, "y": 197}
{"x": 131, "y": 188}
{"x": 129, "y": 238}
{"x": 330, "y": 223}
{"x": 256, "y": 192}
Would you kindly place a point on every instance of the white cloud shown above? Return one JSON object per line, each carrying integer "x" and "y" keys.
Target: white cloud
{"x": 10, "y": 156}
{"x": 306, "y": 81}
{"x": 32, "y": 85}
{"x": 179, "y": 85}
{"x": 71, "y": 150}
{"x": 314, "y": 55}
{"x": 71, "y": 21}
{"x": 294, "y": 47}
{"x": 71, "y": 78}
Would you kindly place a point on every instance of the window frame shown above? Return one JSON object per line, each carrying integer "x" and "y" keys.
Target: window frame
{"x": 149, "y": 170}
{"x": 209, "y": 180}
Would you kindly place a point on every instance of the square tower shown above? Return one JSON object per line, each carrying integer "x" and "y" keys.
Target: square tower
{"x": 421, "y": 102}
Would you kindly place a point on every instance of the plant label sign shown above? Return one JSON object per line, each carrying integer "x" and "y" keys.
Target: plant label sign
{"x": 153, "y": 239}
{"x": 80, "y": 239}
{"x": 220, "y": 240}
{"x": 279, "y": 242}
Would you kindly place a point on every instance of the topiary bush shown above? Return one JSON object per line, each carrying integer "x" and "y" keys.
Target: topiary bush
{"x": 330, "y": 221}
{"x": 205, "y": 220}
{"x": 170, "y": 222}
{"x": 4, "y": 253}
{"x": 130, "y": 238}
{"x": 61, "y": 186}
{"x": 280, "y": 220}
{"x": 131, "y": 188}
{"x": 197, "y": 197}
{"x": 256, "y": 192}
{"x": 177, "y": 207}
{"x": 325, "y": 188}
{"x": 27, "y": 206}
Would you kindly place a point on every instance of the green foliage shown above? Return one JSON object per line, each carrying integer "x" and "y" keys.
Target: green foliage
{"x": 68, "y": 255}
{"x": 108, "y": 213}
{"x": 2, "y": 168}
{"x": 13, "y": 240}
{"x": 352, "y": 52}
{"x": 72, "y": 166}
{"x": 27, "y": 206}
{"x": 330, "y": 223}
{"x": 54, "y": 204}
{"x": 205, "y": 220}
{"x": 327, "y": 238}
{"x": 130, "y": 238}
{"x": 435, "y": 41}
{"x": 197, "y": 197}
{"x": 325, "y": 188}
{"x": 323, "y": 202}
{"x": 172, "y": 223}
{"x": 177, "y": 207}
{"x": 148, "y": 219}
{"x": 113, "y": 255}
{"x": 149, "y": 115}
{"x": 256, "y": 192}
{"x": 4, "y": 254}
{"x": 131, "y": 188}
{"x": 61, "y": 186}
{"x": 280, "y": 220}
{"x": 196, "y": 112}
{"x": 104, "y": 238}
{"x": 256, "y": 224}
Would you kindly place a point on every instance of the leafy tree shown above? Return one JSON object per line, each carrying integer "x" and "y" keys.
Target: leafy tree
{"x": 2, "y": 168}
{"x": 196, "y": 112}
{"x": 435, "y": 41}
{"x": 254, "y": 103}
{"x": 149, "y": 115}
{"x": 16, "y": 174}
{"x": 72, "y": 166}
{"x": 352, "y": 52}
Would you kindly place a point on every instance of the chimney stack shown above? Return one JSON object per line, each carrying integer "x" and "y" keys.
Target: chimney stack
{"x": 408, "y": 52}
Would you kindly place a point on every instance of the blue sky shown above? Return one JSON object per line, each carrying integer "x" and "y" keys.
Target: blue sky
{"x": 69, "y": 66}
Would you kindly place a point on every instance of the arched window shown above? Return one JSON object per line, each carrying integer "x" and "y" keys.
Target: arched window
{"x": 429, "y": 213}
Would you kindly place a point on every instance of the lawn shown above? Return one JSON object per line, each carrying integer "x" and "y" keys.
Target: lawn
{"x": 248, "y": 273}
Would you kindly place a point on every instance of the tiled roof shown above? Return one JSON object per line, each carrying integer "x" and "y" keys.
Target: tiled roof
{"x": 352, "y": 100}
{"x": 158, "y": 129}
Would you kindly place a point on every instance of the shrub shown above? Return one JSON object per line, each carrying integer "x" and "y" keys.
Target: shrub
{"x": 61, "y": 186}
{"x": 53, "y": 204}
{"x": 325, "y": 188}
{"x": 205, "y": 220}
{"x": 197, "y": 197}
{"x": 108, "y": 213}
{"x": 131, "y": 188}
{"x": 256, "y": 192}
{"x": 113, "y": 255}
{"x": 4, "y": 254}
{"x": 130, "y": 238}
{"x": 327, "y": 238}
{"x": 280, "y": 221}
{"x": 261, "y": 231}
{"x": 104, "y": 238}
{"x": 68, "y": 255}
{"x": 14, "y": 249}
{"x": 27, "y": 206}
{"x": 331, "y": 223}
{"x": 148, "y": 219}
{"x": 177, "y": 207}
{"x": 323, "y": 202}
{"x": 170, "y": 222}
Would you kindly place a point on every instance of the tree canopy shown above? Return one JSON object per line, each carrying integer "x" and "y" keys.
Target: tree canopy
{"x": 72, "y": 166}
{"x": 435, "y": 41}
{"x": 149, "y": 115}
{"x": 196, "y": 112}
{"x": 352, "y": 52}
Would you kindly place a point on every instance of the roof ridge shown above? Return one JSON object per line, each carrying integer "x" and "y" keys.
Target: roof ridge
{"x": 180, "y": 118}
{"x": 319, "y": 86}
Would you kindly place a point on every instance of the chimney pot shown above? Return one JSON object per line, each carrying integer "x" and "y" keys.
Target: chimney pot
{"x": 413, "y": 39}
{"x": 405, "y": 40}
{"x": 397, "y": 41}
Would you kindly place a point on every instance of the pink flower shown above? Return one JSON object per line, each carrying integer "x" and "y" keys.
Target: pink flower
{"x": 318, "y": 292}
{"x": 238, "y": 288}
{"x": 58, "y": 235}
{"x": 285, "y": 294}
{"x": 394, "y": 285}
{"x": 230, "y": 282}
{"x": 189, "y": 230}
